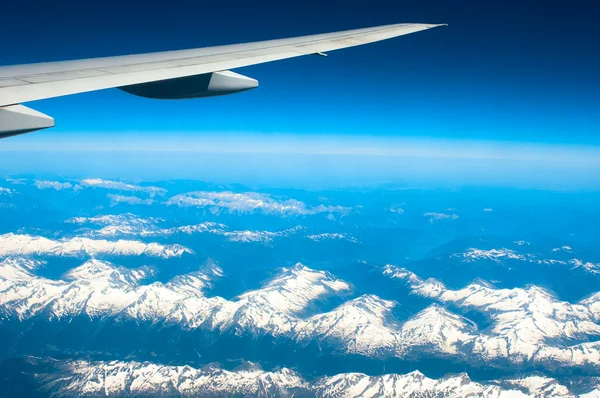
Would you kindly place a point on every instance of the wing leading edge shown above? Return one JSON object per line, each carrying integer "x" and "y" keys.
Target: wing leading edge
{"x": 136, "y": 73}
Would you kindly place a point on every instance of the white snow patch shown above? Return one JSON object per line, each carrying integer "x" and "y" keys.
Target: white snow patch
{"x": 250, "y": 202}
{"x": 130, "y": 200}
{"x": 58, "y": 186}
{"x": 121, "y": 186}
{"x": 433, "y": 216}
{"x": 13, "y": 244}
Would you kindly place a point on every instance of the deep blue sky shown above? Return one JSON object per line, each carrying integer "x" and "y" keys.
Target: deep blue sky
{"x": 510, "y": 70}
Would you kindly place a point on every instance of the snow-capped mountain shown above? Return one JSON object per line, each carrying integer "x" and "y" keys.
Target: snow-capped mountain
{"x": 474, "y": 254}
{"x": 124, "y": 225}
{"x": 531, "y": 313}
{"x": 332, "y": 236}
{"x": 288, "y": 306}
{"x": 126, "y": 219}
{"x": 261, "y": 236}
{"x": 278, "y": 307}
{"x": 56, "y": 185}
{"x": 80, "y": 377}
{"x": 121, "y": 186}
{"x": 528, "y": 324}
{"x": 250, "y": 202}
{"x": 566, "y": 257}
{"x": 96, "y": 288}
{"x": 146, "y": 379}
{"x": 437, "y": 329}
{"x": 129, "y": 200}
{"x": 435, "y": 216}
{"x": 13, "y": 244}
{"x": 100, "y": 275}
{"x": 363, "y": 326}
{"x": 129, "y": 225}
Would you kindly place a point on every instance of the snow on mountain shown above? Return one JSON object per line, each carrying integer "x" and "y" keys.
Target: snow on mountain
{"x": 127, "y": 219}
{"x": 593, "y": 303}
{"x": 362, "y": 326}
{"x": 500, "y": 255}
{"x": 16, "y": 181}
{"x": 288, "y": 305}
{"x": 129, "y": 200}
{"x": 294, "y": 288}
{"x": 276, "y": 307}
{"x": 130, "y": 225}
{"x": 23, "y": 295}
{"x": 176, "y": 302}
{"x": 96, "y": 270}
{"x": 250, "y": 202}
{"x": 413, "y": 384}
{"x": 563, "y": 248}
{"x": 97, "y": 288}
{"x": 13, "y": 244}
{"x": 210, "y": 227}
{"x": 56, "y": 185}
{"x": 366, "y": 326}
{"x": 10, "y": 265}
{"x": 437, "y": 329}
{"x": 96, "y": 378}
{"x": 539, "y": 385}
{"x": 594, "y": 268}
{"x": 260, "y": 236}
{"x": 524, "y": 328}
{"x": 397, "y": 208}
{"x": 118, "y": 225}
{"x": 150, "y": 230}
{"x": 121, "y": 186}
{"x": 433, "y": 216}
{"x": 473, "y": 254}
{"x": 252, "y": 236}
{"x": 332, "y": 236}
{"x": 527, "y": 323}
{"x": 143, "y": 379}
{"x": 529, "y": 315}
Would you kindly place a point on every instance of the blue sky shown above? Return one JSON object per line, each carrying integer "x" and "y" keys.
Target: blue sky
{"x": 505, "y": 72}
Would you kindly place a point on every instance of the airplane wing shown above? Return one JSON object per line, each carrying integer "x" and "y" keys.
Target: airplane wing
{"x": 165, "y": 75}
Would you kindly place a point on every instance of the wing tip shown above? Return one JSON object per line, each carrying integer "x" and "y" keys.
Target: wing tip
{"x": 429, "y": 26}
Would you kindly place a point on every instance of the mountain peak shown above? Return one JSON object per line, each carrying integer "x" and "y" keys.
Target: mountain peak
{"x": 95, "y": 270}
{"x": 439, "y": 329}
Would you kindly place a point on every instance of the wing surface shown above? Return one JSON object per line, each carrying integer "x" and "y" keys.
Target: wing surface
{"x": 23, "y": 83}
